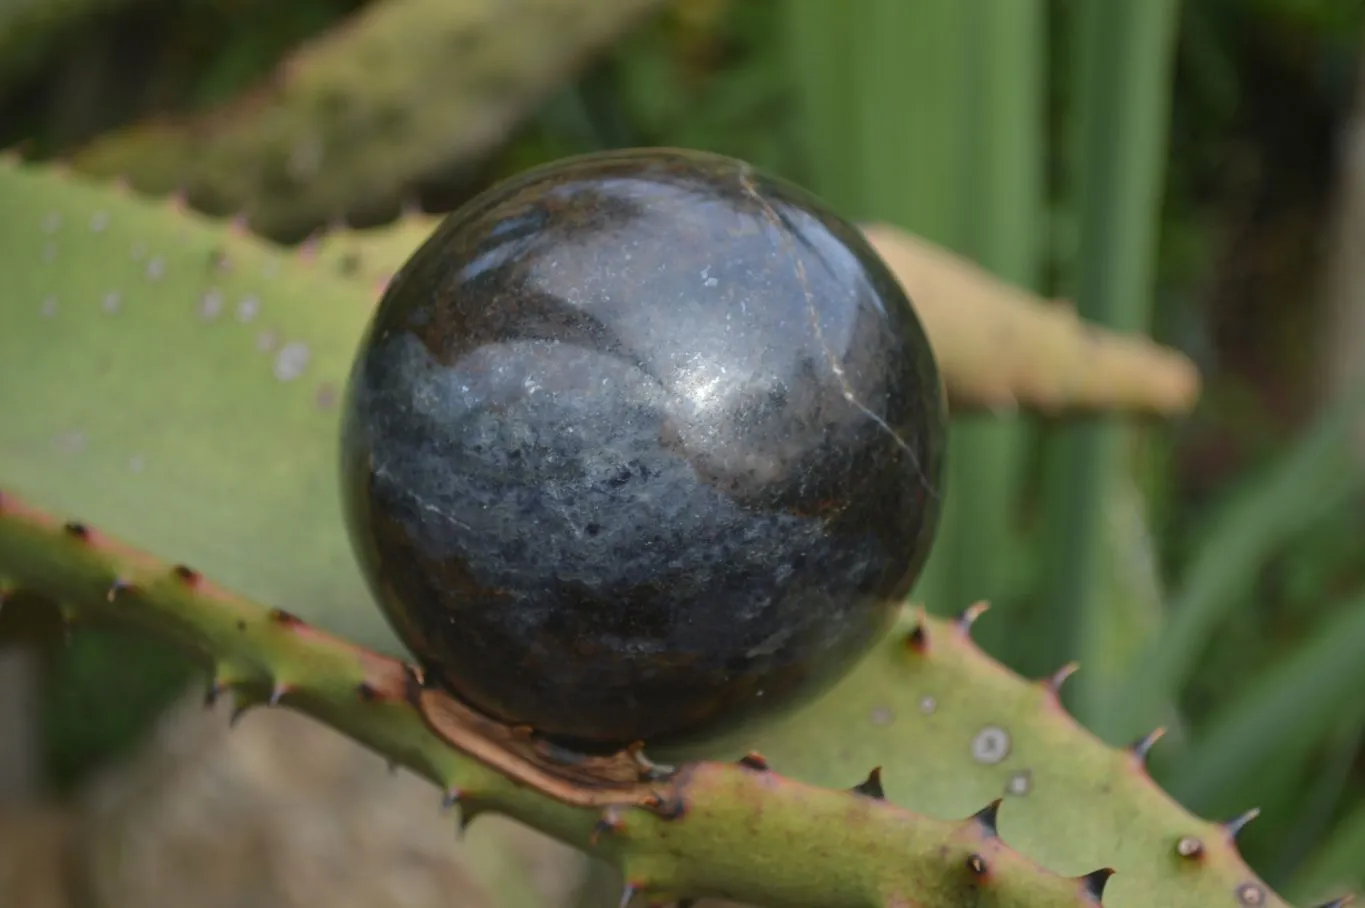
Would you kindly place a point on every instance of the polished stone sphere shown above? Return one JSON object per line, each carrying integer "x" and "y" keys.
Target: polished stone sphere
{"x": 642, "y": 445}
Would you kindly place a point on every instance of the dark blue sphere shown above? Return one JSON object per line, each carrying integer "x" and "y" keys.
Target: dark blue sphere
{"x": 642, "y": 445}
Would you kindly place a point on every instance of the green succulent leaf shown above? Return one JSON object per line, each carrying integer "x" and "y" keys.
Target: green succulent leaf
{"x": 176, "y": 379}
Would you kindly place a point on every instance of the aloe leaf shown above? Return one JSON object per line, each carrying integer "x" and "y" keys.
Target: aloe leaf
{"x": 725, "y": 829}
{"x": 1123, "y": 83}
{"x": 749, "y": 830}
{"x": 159, "y": 375}
{"x": 400, "y": 89}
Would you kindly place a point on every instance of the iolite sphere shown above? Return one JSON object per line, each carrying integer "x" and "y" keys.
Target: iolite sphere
{"x": 642, "y": 445}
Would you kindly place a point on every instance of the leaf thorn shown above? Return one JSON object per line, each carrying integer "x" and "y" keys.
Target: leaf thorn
{"x": 871, "y": 787}
{"x": 1143, "y": 746}
{"x": 1093, "y": 883}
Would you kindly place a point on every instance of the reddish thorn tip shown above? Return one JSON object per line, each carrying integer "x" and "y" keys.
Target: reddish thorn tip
{"x": 186, "y": 574}
{"x": 280, "y": 616}
{"x": 754, "y": 760}
{"x": 872, "y": 786}
{"x": 918, "y": 639}
{"x": 76, "y": 530}
{"x": 1093, "y": 883}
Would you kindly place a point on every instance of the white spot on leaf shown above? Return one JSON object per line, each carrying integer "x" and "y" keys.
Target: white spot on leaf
{"x": 69, "y": 442}
{"x": 111, "y": 302}
{"x": 247, "y": 308}
{"x": 156, "y": 267}
{"x": 265, "y": 341}
{"x": 51, "y": 221}
{"x": 211, "y": 304}
{"x": 928, "y": 705}
{"x": 991, "y": 745}
{"x": 99, "y": 220}
{"x": 1021, "y": 783}
{"x": 49, "y": 307}
{"x": 291, "y": 360}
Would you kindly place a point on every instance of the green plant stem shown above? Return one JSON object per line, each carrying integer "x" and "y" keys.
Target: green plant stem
{"x": 1125, "y": 49}
{"x": 1002, "y": 206}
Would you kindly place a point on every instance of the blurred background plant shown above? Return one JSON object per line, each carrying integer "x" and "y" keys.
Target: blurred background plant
{"x": 1195, "y": 171}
